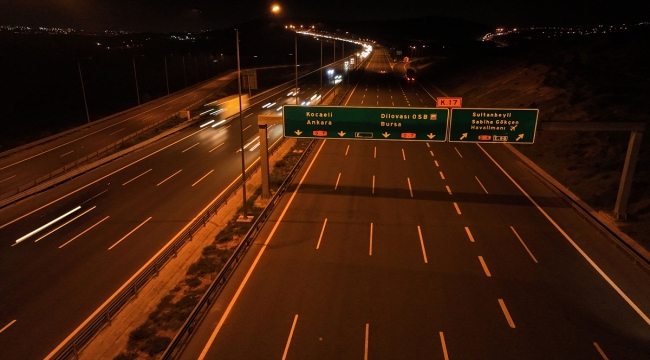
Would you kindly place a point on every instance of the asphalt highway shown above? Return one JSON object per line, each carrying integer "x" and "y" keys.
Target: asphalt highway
{"x": 67, "y": 250}
{"x": 413, "y": 250}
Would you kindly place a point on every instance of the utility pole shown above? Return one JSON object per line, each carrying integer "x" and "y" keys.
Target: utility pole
{"x": 135, "y": 74}
{"x": 166, "y": 75}
{"x": 296, "y": 52}
{"x": 241, "y": 133}
{"x": 84, "y": 91}
{"x": 184, "y": 74}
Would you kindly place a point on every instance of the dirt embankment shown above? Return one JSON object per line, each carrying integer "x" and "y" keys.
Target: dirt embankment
{"x": 583, "y": 78}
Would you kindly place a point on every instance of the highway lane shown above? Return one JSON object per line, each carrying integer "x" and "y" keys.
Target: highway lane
{"x": 404, "y": 250}
{"x": 130, "y": 208}
{"x": 25, "y": 166}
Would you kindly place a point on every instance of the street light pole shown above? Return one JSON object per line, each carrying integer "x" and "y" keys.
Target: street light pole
{"x": 321, "y": 71}
{"x": 135, "y": 74}
{"x": 84, "y": 91}
{"x": 184, "y": 74}
{"x": 241, "y": 132}
{"x": 296, "y": 56}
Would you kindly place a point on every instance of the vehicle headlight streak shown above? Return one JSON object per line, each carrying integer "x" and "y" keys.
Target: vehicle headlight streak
{"x": 219, "y": 123}
{"x": 206, "y": 124}
{"x": 46, "y": 225}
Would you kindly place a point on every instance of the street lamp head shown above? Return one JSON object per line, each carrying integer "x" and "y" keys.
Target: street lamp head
{"x": 275, "y": 9}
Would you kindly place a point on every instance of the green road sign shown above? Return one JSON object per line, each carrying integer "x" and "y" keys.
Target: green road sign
{"x": 515, "y": 126}
{"x": 347, "y": 122}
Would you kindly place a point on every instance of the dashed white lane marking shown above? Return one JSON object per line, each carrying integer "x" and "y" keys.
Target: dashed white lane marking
{"x": 136, "y": 177}
{"x": 83, "y": 232}
{"x": 403, "y": 155}
{"x": 570, "y": 240}
{"x": 373, "y": 184}
{"x": 424, "y": 251}
{"x": 251, "y": 114}
{"x": 7, "y": 326}
{"x": 216, "y": 147}
{"x": 442, "y": 176}
{"x": 444, "y": 346}
{"x": 487, "y": 272}
{"x": 189, "y": 148}
{"x": 522, "y": 243}
{"x": 172, "y": 175}
{"x": 293, "y": 327}
{"x": 130, "y": 232}
{"x": 428, "y": 145}
{"x": 431, "y": 152}
{"x": 337, "y": 181}
{"x": 436, "y": 162}
{"x": 204, "y": 176}
{"x": 506, "y": 313}
{"x": 469, "y": 234}
{"x": 371, "y": 231}
{"x": 457, "y": 208}
{"x": 322, "y": 231}
{"x": 479, "y": 182}
{"x": 375, "y": 156}
{"x": 461, "y": 156}
{"x": 600, "y": 351}
{"x": 246, "y": 128}
{"x": 448, "y": 189}
{"x": 410, "y": 188}
{"x": 365, "y": 351}
{"x": 13, "y": 176}
{"x": 346, "y": 150}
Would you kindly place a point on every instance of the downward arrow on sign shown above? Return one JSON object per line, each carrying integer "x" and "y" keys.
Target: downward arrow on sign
{"x": 431, "y": 136}
{"x": 386, "y": 135}
{"x": 341, "y": 133}
{"x": 298, "y": 132}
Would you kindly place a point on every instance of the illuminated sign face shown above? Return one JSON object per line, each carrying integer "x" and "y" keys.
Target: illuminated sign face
{"x": 320, "y": 133}
{"x": 515, "y": 126}
{"x": 408, "y": 136}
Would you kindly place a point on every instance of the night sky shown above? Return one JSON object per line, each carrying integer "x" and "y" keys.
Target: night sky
{"x": 191, "y": 15}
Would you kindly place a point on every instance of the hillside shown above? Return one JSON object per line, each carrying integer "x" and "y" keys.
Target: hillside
{"x": 582, "y": 78}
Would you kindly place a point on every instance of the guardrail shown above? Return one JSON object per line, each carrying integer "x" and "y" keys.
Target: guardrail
{"x": 103, "y": 317}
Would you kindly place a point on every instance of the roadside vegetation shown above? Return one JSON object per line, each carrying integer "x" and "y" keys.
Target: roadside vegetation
{"x": 151, "y": 338}
{"x": 581, "y": 78}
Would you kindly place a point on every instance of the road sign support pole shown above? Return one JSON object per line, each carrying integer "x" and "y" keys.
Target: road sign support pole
{"x": 264, "y": 159}
{"x": 628, "y": 175}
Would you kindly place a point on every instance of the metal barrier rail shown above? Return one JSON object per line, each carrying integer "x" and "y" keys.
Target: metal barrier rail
{"x": 103, "y": 317}
{"x": 182, "y": 337}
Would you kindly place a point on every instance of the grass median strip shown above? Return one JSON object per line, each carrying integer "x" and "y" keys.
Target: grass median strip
{"x": 152, "y": 337}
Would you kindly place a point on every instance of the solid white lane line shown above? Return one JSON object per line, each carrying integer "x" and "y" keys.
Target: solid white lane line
{"x": 461, "y": 156}
{"x": 431, "y": 152}
{"x": 45, "y": 226}
{"x": 487, "y": 272}
{"x": 293, "y": 327}
{"x": 600, "y": 351}
{"x": 403, "y": 155}
{"x": 12, "y": 176}
{"x": 346, "y": 150}
{"x": 428, "y": 145}
{"x": 83, "y": 232}
{"x": 436, "y": 161}
{"x": 68, "y": 153}
{"x": 7, "y": 326}
{"x": 147, "y": 117}
{"x": 66, "y": 223}
{"x": 204, "y": 176}
{"x": 479, "y": 182}
{"x": 568, "y": 238}
{"x": 373, "y": 184}
{"x": 172, "y": 175}
{"x": 337, "y": 181}
{"x": 130, "y": 232}
{"x": 216, "y": 147}
{"x": 371, "y": 229}
{"x": 444, "y": 346}
{"x": 116, "y": 132}
{"x": 189, "y": 148}
{"x": 365, "y": 351}
{"x": 246, "y": 128}
{"x": 469, "y": 234}
{"x": 424, "y": 252}
{"x": 506, "y": 313}
{"x": 322, "y": 231}
{"x": 257, "y": 259}
{"x": 410, "y": 189}
{"x": 442, "y": 176}
{"x": 375, "y": 155}
{"x": 448, "y": 189}
{"x": 457, "y": 208}
{"x": 136, "y": 177}
{"x": 522, "y": 243}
